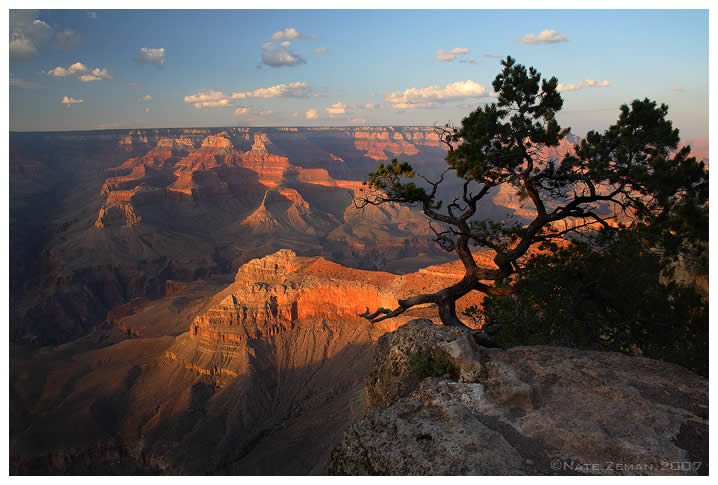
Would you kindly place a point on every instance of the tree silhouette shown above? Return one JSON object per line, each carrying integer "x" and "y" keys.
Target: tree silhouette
{"x": 630, "y": 174}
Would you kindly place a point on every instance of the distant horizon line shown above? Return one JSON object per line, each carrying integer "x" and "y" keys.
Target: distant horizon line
{"x": 221, "y": 127}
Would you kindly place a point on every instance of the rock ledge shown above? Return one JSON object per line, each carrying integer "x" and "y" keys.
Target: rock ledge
{"x": 536, "y": 410}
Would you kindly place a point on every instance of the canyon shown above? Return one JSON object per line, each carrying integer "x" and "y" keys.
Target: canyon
{"x": 218, "y": 376}
{"x": 139, "y": 258}
{"x": 187, "y": 300}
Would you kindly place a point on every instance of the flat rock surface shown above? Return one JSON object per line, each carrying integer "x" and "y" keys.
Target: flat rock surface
{"x": 530, "y": 410}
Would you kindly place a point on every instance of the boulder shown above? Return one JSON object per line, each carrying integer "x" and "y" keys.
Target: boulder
{"x": 536, "y": 410}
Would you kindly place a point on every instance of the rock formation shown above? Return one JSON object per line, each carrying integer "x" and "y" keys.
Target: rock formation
{"x": 119, "y": 214}
{"x": 273, "y": 294}
{"x": 527, "y": 410}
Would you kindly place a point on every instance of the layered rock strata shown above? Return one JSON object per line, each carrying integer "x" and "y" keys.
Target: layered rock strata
{"x": 273, "y": 294}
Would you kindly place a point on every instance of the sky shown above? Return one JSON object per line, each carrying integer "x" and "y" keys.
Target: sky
{"x": 105, "y": 69}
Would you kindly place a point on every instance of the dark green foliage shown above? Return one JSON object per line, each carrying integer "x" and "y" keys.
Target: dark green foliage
{"x": 618, "y": 299}
{"x": 497, "y": 137}
{"x": 422, "y": 364}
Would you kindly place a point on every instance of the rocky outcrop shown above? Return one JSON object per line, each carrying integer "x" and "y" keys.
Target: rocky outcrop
{"x": 269, "y": 167}
{"x": 380, "y": 143}
{"x": 175, "y": 144}
{"x": 527, "y": 410}
{"x": 220, "y": 140}
{"x": 119, "y": 214}
{"x": 377, "y": 142}
{"x": 273, "y": 294}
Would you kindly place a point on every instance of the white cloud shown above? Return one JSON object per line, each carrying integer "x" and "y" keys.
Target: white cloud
{"x": 208, "y": 99}
{"x": 97, "y": 74}
{"x": 291, "y": 34}
{"x": 205, "y": 96}
{"x": 27, "y": 33}
{"x": 92, "y": 15}
{"x": 147, "y": 97}
{"x": 545, "y": 37}
{"x": 286, "y": 43}
{"x": 311, "y": 114}
{"x": 147, "y": 110}
{"x": 336, "y": 109}
{"x": 156, "y": 57}
{"x": 60, "y": 71}
{"x": 448, "y": 56}
{"x": 291, "y": 90}
{"x": 320, "y": 50}
{"x": 241, "y": 110}
{"x": 372, "y": 106}
{"x": 278, "y": 56}
{"x": 218, "y": 99}
{"x": 431, "y": 96}
{"x": 81, "y": 70}
{"x": 586, "y": 83}
{"x": 67, "y": 101}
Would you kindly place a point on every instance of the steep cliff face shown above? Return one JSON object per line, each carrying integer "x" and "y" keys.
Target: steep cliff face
{"x": 269, "y": 167}
{"x": 273, "y": 294}
{"x": 524, "y": 411}
{"x": 385, "y": 142}
{"x": 278, "y": 355}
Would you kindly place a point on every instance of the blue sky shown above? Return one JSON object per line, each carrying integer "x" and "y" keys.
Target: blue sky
{"x": 400, "y": 67}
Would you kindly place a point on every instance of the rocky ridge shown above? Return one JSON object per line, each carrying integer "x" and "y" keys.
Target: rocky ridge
{"x": 276, "y": 293}
{"x": 528, "y": 410}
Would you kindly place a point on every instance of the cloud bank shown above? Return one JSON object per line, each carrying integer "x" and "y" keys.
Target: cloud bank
{"x": 291, "y": 33}
{"x": 545, "y": 37}
{"x": 218, "y": 99}
{"x": 279, "y": 56}
{"x": 432, "y": 96}
{"x": 67, "y": 101}
{"x": 586, "y": 83}
{"x": 156, "y": 57}
{"x": 291, "y": 90}
{"x": 27, "y": 33}
{"x": 448, "y": 56}
{"x": 82, "y": 72}
{"x": 336, "y": 109}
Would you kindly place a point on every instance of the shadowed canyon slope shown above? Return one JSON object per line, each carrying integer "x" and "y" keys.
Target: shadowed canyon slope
{"x": 212, "y": 379}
